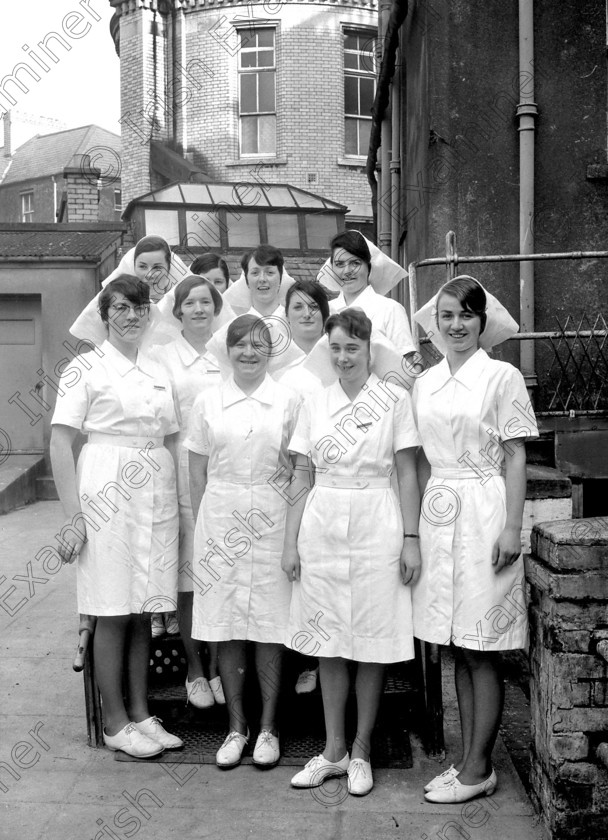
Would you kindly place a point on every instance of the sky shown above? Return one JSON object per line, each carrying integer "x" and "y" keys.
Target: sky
{"x": 82, "y": 87}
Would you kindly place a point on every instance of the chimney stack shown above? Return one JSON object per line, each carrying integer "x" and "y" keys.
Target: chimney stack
{"x": 7, "y": 134}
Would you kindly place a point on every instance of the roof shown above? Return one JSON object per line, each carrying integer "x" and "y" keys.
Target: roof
{"x": 58, "y": 241}
{"x": 49, "y": 154}
{"x": 254, "y": 196}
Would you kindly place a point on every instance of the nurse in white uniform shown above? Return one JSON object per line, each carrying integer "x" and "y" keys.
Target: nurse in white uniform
{"x": 351, "y": 545}
{"x": 191, "y": 369}
{"x": 473, "y": 415}
{"x": 351, "y": 263}
{"x": 237, "y": 439}
{"x": 121, "y": 507}
{"x": 214, "y": 268}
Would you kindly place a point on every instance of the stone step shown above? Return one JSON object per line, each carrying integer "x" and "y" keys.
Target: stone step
{"x": 18, "y": 474}
{"x": 45, "y": 489}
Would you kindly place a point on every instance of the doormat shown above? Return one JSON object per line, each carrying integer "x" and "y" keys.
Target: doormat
{"x": 301, "y": 726}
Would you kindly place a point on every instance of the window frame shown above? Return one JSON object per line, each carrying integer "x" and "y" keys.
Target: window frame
{"x": 256, "y": 71}
{"x": 359, "y": 73}
{"x": 27, "y": 216}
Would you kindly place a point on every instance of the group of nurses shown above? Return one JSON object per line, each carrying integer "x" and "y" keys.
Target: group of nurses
{"x": 371, "y": 588}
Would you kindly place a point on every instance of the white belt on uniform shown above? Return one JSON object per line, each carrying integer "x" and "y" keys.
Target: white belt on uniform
{"x": 483, "y": 472}
{"x": 352, "y": 482}
{"x": 132, "y": 441}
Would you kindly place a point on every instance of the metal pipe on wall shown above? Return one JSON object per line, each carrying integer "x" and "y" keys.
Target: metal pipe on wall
{"x": 527, "y": 111}
{"x": 395, "y": 165}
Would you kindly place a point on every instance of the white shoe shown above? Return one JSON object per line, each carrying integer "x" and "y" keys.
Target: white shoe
{"x": 230, "y": 753}
{"x": 217, "y": 690}
{"x": 133, "y": 742}
{"x": 360, "y": 779}
{"x": 267, "y": 751}
{"x": 307, "y": 681}
{"x": 158, "y": 625}
{"x": 153, "y": 728}
{"x": 318, "y": 769}
{"x": 442, "y": 779}
{"x": 455, "y": 792}
{"x": 199, "y": 693}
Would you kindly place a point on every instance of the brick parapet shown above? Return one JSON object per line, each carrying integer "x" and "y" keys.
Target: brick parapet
{"x": 568, "y": 578}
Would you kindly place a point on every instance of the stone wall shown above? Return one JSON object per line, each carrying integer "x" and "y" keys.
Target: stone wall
{"x": 568, "y": 576}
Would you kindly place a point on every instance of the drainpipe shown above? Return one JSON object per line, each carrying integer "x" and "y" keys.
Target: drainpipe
{"x": 395, "y": 166}
{"x": 527, "y": 111}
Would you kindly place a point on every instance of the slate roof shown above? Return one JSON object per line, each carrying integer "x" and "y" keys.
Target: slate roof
{"x": 49, "y": 154}
{"x": 58, "y": 243}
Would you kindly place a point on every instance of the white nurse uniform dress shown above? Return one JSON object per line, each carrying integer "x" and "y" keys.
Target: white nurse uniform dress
{"x": 465, "y": 422}
{"x": 387, "y": 316}
{"x": 190, "y": 374}
{"x": 241, "y": 591}
{"x": 350, "y": 601}
{"x": 126, "y": 482}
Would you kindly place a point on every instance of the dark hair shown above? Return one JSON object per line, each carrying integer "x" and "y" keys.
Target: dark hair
{"x": 354, "y": 322}
{"x": 135, "y": 290}
{"x": 245, "y": 324}
{"x": 263, "y": 255}
{"x": 185, "y": 286}
{"x": 314, "y": 291}
{"x": 470, "y": 294}
{"x": 153, "y": 243}
{"x": 353, "y": 242}
{"x": 207, "y": 262}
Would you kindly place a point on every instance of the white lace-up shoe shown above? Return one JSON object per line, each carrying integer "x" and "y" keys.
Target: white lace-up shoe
{"x": 318, "y": 769}
{"x": 230, "y": 753}
{"x": 360, "y": 779}
{"x": 133, "y": 742}
{"x": 267, "y": 752}
{"x": 442, "y": 779}
{"x": 153, "y": 728}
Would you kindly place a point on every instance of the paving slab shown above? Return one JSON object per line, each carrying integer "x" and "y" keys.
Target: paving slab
{"x": 74, "y": 792}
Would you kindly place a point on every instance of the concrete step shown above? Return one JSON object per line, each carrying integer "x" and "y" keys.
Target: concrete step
{"x": 18, "y": 476}
{"x": 45, "y": 489}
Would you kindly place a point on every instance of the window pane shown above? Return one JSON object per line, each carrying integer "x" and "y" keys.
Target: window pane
{"x": 350, "y": 137}
{"x": 248, "y": 59}
{"x": 249, "y": 93}
{"x": 320, "y": 230}
{"x": 368, "y": 59}
{"x": 243, "y": 230}
{"x": 249, "y": 135}
{"x": 266, "y": 83}
{"x": 365, "y": 128}
{"x": 203, "y": 229}
{"x": 223, "y": 193}
{"x": 163, "y": 223}
{"x": 351, "y": 97}
{"x": 265, "y": 37}
{"x": 350, "y": 61}
{"x": 267, "y": 134}
{"x": 248, "y": 37}
{"x": 283, "y": 230}
{"x": 350, "y": 41}
{"x": 265, "y": 58}
{"x": 367, "y": 95}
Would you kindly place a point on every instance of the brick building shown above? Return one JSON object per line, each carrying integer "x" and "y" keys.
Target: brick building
{"x": 278, "y": 93}
{"x": 67, "y": 176}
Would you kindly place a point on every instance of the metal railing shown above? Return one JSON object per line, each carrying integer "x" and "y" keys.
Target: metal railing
{"x": 572, "y": 360}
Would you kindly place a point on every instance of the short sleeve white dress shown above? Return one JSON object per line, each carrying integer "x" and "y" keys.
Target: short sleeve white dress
{"x": 240, "y": 591}
{"x": 190, "y": 373}
{"x": 465, "y": 422}
{"x": 350, "y": 601}
{"x": 126, "y": 482}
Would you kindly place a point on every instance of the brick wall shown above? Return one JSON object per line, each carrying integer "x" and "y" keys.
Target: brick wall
{"x": 309, "y": 92}
{"x": 568, "y": 577}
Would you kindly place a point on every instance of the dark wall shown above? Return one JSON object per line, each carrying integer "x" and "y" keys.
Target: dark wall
{"x": 10, "y": 200}
{"x": 571, "y": 211}
{"x": 461, "y": 145}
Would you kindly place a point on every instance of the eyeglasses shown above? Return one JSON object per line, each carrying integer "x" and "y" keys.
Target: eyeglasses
{"x": 140, "y": 310}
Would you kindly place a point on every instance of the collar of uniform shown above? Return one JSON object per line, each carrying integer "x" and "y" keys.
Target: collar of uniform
{"x": 264, "y": 393}
{"x": 365, "y": 300}
{"x": 337, "y": 399}
{"x": 279, "y": 312}
{"x": 121, "y": 364}
{"x": 188, "y": 355}
{"x": 466, "y": 375}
